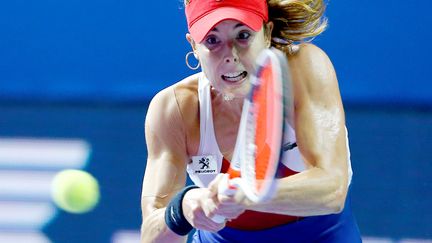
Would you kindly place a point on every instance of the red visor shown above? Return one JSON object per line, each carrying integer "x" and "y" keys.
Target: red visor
{"x": 203, "y": 15}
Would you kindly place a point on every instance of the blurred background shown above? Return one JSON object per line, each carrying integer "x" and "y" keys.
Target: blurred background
{"x": 76, "y": 78}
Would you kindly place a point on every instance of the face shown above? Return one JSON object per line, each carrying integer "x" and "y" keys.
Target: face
{"x": 227, "y": 55}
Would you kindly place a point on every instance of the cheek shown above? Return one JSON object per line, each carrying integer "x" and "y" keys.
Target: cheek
{"x": 205, "y": 61}
{"x": 253, "y": 51}
{"x": 210, "y": 64}
{"x": 208, "y": 68}
{"x": 249, "y": 58}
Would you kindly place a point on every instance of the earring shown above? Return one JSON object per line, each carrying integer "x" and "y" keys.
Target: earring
{"x": 187, "y": 61}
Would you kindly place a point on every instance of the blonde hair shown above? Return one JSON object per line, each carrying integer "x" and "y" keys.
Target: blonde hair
{"x": 294, "y": 20}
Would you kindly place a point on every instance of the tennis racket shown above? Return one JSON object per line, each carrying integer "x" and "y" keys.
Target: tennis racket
{"x": 259, "y": 141}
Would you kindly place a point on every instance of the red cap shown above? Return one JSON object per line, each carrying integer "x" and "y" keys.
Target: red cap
{"x": 203, "y": 15}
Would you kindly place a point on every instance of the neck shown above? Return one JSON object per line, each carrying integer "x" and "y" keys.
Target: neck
{"x": 227, "y": 102}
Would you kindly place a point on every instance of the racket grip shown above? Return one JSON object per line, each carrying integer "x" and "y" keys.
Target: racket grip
{"x": 218, "y": 219}
{"x": 224, "y": 189}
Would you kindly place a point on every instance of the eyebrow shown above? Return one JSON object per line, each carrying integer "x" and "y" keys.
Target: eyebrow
{"x": 236, "y": 26}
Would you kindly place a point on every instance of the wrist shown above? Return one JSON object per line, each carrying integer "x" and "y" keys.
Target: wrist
{"x": 174, "y": 217}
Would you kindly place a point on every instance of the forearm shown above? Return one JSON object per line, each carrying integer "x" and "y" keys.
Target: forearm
{"x": 312, "y": 192}
{"x": 154, "y": 229}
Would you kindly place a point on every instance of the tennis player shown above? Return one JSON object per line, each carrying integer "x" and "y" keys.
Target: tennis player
{"x": 191, "y": 129}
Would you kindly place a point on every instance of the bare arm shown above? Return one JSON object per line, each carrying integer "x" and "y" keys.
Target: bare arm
{"x": 165, "y": 170}
{"x": 321, "y": 137}
{"x": 165, "y": 174}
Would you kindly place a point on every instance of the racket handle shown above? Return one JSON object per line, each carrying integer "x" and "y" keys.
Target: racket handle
{"x": 224, "y": 189}
{"x": 218, "y": 219}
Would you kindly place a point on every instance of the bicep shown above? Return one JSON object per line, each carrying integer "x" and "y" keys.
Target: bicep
{"x": 167, "y": 157}
{"x": 319, "y": 115}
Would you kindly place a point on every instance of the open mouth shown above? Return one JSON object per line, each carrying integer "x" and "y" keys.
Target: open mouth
{"x": 234, "y": 77}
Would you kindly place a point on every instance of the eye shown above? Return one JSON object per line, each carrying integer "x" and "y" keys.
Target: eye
{"x": 244, "y": 35}
{"x": 212, "y": 40}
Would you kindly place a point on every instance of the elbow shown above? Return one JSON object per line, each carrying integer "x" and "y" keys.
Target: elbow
{"x": 337, "y": 207}
{"x": 337, "y": 197}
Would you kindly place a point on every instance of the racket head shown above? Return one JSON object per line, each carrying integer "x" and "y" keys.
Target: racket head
{"x": 263, "y": 124}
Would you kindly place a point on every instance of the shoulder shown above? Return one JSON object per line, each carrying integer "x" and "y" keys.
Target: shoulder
{"x": 312, "y": 61}
{"x": 313, "y": 72}
{"x": 186, "y": 94}
{"x": 171, "y": 113}
{"x": 172, "y": 99}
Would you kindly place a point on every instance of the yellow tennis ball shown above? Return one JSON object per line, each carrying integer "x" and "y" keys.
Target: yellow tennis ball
{"x": 75, "y": 191}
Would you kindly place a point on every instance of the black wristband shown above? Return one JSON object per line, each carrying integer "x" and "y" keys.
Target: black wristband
{"x": 174, "y": 217}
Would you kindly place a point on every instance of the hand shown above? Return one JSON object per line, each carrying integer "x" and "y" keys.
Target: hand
{"x": 194, "y": 202}
{"x": 227, "y": 206}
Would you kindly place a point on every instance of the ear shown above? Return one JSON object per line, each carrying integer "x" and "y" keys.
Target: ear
{"x": 268, "y": 29}
{"x": 192, "y": 43}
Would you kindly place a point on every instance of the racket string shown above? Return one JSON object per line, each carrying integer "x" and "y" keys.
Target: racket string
{"x": 250, "y": 149}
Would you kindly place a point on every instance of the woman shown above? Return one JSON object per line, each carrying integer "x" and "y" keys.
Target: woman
{"x": 191, "y": 128}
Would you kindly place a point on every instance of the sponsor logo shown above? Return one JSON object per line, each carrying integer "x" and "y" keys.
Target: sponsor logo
{"x": 205, "y": 164}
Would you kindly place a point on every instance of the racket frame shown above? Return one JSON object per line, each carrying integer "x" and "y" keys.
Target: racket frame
{"x": 247, "y": 180}
{"x": 249, "y": 184}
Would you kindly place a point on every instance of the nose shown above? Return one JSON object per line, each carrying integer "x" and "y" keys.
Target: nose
{"x": 232, "y": 59}
{"x": 232, "y": 55}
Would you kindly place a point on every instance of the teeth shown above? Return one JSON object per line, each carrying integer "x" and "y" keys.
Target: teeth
{"x": 233, "y": 75}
